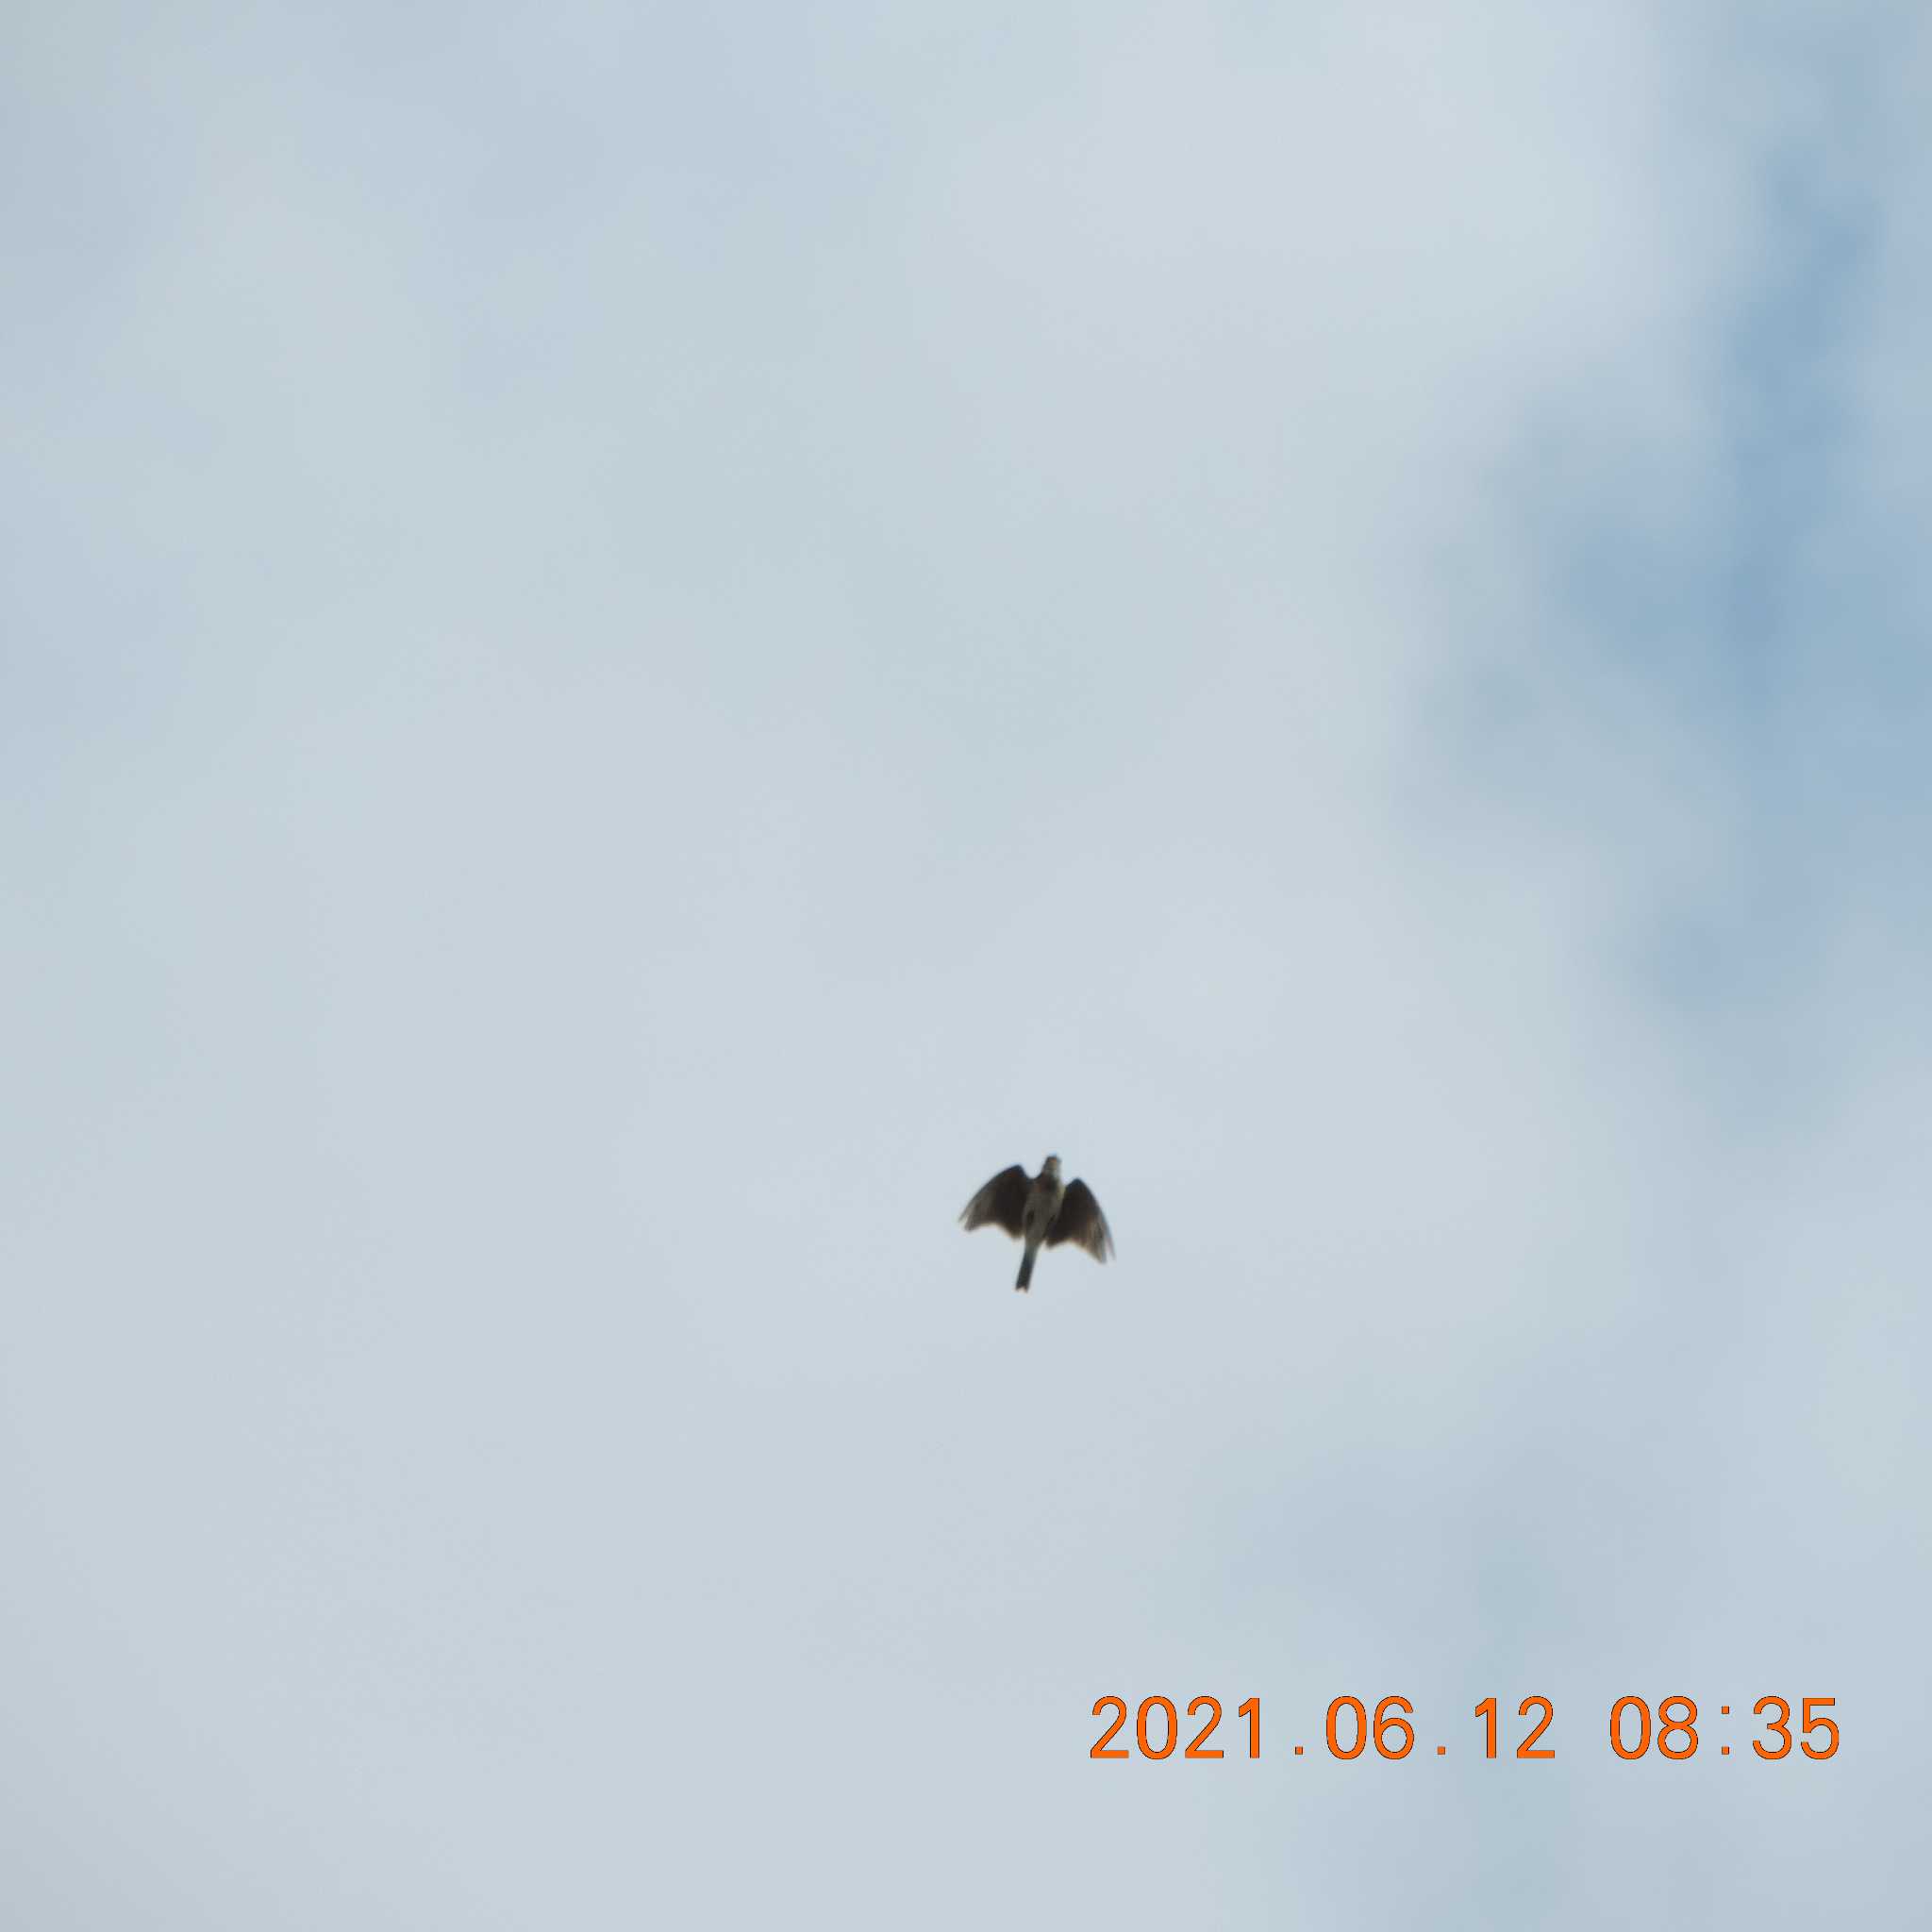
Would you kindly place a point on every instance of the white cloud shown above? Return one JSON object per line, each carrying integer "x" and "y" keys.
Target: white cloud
{"x": 643, "y": 650}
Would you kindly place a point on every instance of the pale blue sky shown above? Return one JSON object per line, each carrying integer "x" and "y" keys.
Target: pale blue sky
{"x": 639, "y": 643}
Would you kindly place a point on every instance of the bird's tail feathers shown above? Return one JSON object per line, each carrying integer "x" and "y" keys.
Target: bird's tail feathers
{"x": 1025, "y": 1280}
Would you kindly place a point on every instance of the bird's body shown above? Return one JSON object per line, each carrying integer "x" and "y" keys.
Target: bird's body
{"x": 1041, "y": 1210}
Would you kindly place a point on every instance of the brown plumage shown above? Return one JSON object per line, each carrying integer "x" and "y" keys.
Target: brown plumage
{"x": 1043, "y": 1210}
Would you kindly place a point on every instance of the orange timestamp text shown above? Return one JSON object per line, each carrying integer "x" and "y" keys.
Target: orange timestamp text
{"x": 1350, "y": 1728}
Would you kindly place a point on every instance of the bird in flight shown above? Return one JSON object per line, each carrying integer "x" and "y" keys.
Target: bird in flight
{"x": 1043, "y": 1210}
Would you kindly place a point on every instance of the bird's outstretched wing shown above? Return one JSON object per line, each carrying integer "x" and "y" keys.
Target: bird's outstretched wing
{"x": 1001, "y": 1202}
{"x": 1081, "y": 1221}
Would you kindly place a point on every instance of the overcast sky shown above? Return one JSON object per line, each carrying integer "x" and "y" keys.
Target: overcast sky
{"x": 639, "y": 642}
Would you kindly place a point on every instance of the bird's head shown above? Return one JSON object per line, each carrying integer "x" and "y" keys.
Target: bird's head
{"x": 1051, "y": 1165}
